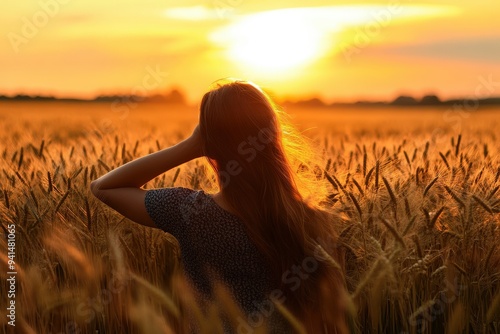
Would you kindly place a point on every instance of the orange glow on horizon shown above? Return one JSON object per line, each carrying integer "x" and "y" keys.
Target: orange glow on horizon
{"x": 337, "y": 52}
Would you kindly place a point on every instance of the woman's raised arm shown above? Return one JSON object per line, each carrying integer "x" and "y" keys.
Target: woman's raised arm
{"x": 121, "y": 188}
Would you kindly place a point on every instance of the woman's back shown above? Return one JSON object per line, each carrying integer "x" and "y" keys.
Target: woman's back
{"x": 258, "y": 162}
{"x": 214, "y": 248}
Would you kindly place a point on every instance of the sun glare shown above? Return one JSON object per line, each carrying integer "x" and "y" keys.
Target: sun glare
{"x": 271, "y": 42}
{"x": 274, "y": 45}
{"x": 277, "y": 41}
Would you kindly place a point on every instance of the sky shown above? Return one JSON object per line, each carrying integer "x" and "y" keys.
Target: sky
{"x": 337, "y": 50}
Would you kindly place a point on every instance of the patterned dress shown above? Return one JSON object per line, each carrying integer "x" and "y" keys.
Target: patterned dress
{"x": 214, "y": 244}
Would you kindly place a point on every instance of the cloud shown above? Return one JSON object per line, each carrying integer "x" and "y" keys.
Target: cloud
{"x": 480, "y": 49}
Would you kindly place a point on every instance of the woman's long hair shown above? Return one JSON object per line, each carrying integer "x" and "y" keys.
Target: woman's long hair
{"x": 249, "y": 149}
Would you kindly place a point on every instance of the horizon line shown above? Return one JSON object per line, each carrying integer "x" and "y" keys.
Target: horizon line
{"x": 175, "y": 96}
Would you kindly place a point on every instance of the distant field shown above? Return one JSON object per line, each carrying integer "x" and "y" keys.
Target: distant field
{"x": 69, "y": 120}
{"x": 417, "y": 190}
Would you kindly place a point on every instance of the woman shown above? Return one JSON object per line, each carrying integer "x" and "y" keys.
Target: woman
{"x": 259, "y": 235}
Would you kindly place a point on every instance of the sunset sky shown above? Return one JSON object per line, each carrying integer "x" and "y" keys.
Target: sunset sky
{"x": 338, "y": 50}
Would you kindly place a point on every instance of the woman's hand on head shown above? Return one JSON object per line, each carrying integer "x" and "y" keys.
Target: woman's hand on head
{"x": 195, "y": 142}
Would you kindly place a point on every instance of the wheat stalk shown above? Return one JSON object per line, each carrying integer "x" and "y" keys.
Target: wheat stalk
{"x": 365, "y": 157}
{"x": 21, "y": 159}
{"x": 429, "y": 186}
{"x": 416, "y": 240}
{"x": 356, "y": 204}
{"x": 457, "y": 147}
{"x": 103, "y": 164}
{"x": 358, "y": 186}
{"x": 445, "y": 160}
{"x": 482, "y": 204}
{"x": 61, "y": 201}
{"x": 393, "y": 231}
{"x": 493, "y": 192}
{"x": 367, "y": 178}
{"x": 454, "y": 196}
{"x": 6, "y": 198}
{"x": 434, "y": 219}
{"x": 407, "y": 159}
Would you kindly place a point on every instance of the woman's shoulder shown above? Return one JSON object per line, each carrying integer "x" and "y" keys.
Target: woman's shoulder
{"x": 178, "y": 195}
{"x": 189, "y": 200}
{"x": 169, "y": 207}
{"x": 168, "y": 193}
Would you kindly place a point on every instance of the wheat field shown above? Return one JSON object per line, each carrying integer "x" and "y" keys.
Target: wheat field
{"x": 417, "y": 193}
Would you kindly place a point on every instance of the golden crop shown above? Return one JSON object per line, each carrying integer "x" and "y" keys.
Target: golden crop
{"x": 417, "y": 195}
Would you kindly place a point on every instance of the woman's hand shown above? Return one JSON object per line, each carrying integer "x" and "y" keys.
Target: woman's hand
{"x": 136, "y": 173}
{"x": 196, "y": 143}
{"x": 121, "y": 188}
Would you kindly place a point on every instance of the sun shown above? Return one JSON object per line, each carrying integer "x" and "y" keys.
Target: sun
{"x": 270, "y": 42}
{"x": 283, "y": 40}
